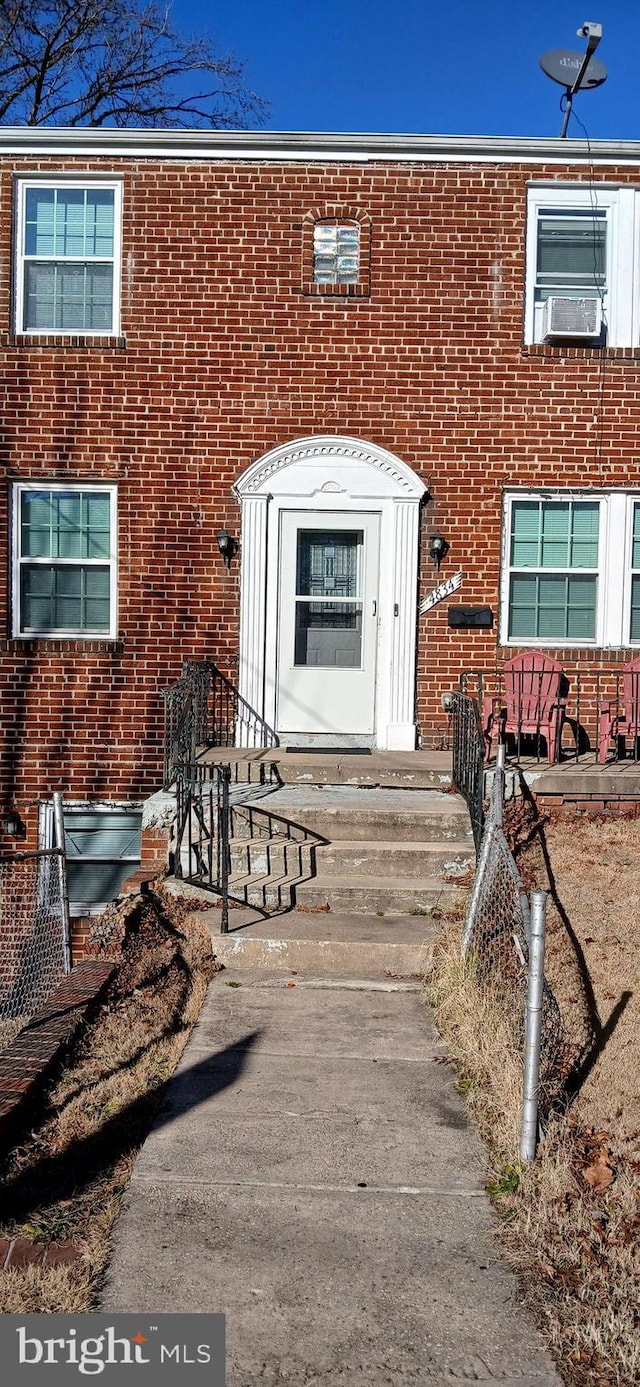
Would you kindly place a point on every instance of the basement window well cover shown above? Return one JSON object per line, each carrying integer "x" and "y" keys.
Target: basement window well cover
{"x": 103, "y": 849}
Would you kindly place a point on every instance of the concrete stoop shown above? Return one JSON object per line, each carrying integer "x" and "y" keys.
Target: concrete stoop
{"x": 344, "y": 880}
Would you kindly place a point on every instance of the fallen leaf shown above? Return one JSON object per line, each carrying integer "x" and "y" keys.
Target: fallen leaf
{"x": 599, "y": 1175}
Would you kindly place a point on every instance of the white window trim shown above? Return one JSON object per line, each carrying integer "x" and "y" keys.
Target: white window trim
{"x": 47, "y": 839}
{"x": 23, "y": 185}
{"x": 58, "y": 633}
{"x": 615, "y": 551}
{"x": 621, "y": 298}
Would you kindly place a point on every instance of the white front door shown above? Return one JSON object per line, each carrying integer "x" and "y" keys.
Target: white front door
{"x": 327, "y": 627}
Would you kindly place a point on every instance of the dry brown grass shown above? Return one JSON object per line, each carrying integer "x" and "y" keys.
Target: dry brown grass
{"x": 578, "y": 1256}
{"x": 10, "y": 1029}
{"x": 574, "y": 1244}
{"x": 32, "y": 1291}
{"x": 480, "y": 1040}
{"x": 67, "y": 1180}
{"x": 595, "y": 866}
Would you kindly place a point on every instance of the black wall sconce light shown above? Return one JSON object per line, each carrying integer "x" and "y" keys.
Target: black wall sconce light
{"x": 228, "y": 546}
{"x": 11, "y": 824}
{"x": 438, "y": 547}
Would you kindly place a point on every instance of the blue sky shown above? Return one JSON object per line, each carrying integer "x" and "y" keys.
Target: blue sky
{"x": 414, "y": 67}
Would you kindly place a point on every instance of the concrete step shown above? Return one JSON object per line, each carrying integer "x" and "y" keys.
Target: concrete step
{"x": 282, "y": 857}
{"x": 404, "y": 769}
{"x": 270, "y": 891}
{"x": 414, "y": 859}
{"x": 275, "y": 891}
{"x": 278, "y": 856}
{"x": 370, "y": 894}
{"x": 324, "y": 945}
{"x": 356, "y": 814}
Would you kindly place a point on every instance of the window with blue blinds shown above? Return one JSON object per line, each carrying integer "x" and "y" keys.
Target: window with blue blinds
{"x": 65, "y": 561}
{"x": 68, "y": 252}
{"x": 553, "y": 560}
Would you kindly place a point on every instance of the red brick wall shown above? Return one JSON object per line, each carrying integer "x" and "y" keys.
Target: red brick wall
{"x": 223, "y": 356}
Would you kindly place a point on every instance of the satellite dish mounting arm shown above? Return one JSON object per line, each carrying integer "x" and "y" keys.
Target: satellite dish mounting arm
{"x": 592, "y": 33}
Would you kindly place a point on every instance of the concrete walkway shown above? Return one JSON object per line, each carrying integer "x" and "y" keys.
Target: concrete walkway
{"x": 312, "y": 1174}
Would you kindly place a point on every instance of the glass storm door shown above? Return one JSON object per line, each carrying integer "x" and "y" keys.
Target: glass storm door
{"x": 328, "y": 625}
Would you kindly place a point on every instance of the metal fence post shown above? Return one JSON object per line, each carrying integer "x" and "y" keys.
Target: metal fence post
{"x": 497, "y": 798}
{"x": 58, "y": 820}
{"x": 533, "y": 1027}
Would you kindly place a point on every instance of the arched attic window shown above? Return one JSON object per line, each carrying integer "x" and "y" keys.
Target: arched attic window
{"x": 336, "y": 253}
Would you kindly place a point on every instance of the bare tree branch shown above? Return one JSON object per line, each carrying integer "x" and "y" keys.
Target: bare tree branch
{"x": 115, "y": 62}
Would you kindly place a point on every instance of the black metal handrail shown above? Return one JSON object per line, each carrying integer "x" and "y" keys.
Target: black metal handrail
{"x": 202, "y": 852}
{"x": 468, "y": 757}
{"x": 205, "y": 709}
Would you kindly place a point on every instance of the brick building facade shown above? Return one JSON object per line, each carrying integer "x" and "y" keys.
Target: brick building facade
{"x": 234, "y": 370}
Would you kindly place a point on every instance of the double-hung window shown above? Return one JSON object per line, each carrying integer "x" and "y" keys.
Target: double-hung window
{"x": 64, "y": 560}
{"x": 582, "y": 264}
{"x": 553, "y": 562}
{"x": 68, "y": 258}
{"x": 571, "y": 569}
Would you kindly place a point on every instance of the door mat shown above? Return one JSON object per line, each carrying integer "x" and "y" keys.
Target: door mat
{"x": 328, "y": 750}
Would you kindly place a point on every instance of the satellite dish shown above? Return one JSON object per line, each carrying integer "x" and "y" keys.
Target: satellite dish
{"x": 563, "y": 65}
{"x": 575, "y": 71}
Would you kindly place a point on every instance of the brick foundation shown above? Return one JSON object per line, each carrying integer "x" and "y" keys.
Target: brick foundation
{"x": 622, "y": 805}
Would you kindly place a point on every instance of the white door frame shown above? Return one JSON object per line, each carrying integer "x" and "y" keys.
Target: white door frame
{"x": 316, "y": 703}
{"x": 325, "y": 474}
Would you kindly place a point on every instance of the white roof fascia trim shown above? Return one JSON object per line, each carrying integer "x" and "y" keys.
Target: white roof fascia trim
{"x": 304, "y": 146}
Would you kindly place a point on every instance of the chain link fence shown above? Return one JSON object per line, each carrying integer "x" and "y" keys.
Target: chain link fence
{"x": 504, "y": 942}
{"x": 34, "y": 932}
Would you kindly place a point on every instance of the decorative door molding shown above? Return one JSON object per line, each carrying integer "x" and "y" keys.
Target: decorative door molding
{"x": 321, "y": 475}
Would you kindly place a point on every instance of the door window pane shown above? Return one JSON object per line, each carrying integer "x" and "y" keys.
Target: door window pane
{"x": 329, "y": 563}
{"x": 329, "y": 635}
{"x": 635, "y": 581}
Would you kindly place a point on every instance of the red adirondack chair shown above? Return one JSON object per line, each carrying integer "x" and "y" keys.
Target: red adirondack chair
{"x": 612, "y": 724}
{"x": 532, "y": 704}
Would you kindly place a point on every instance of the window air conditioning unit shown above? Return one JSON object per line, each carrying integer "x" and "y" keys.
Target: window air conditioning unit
{"x": 576, "y": 318}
